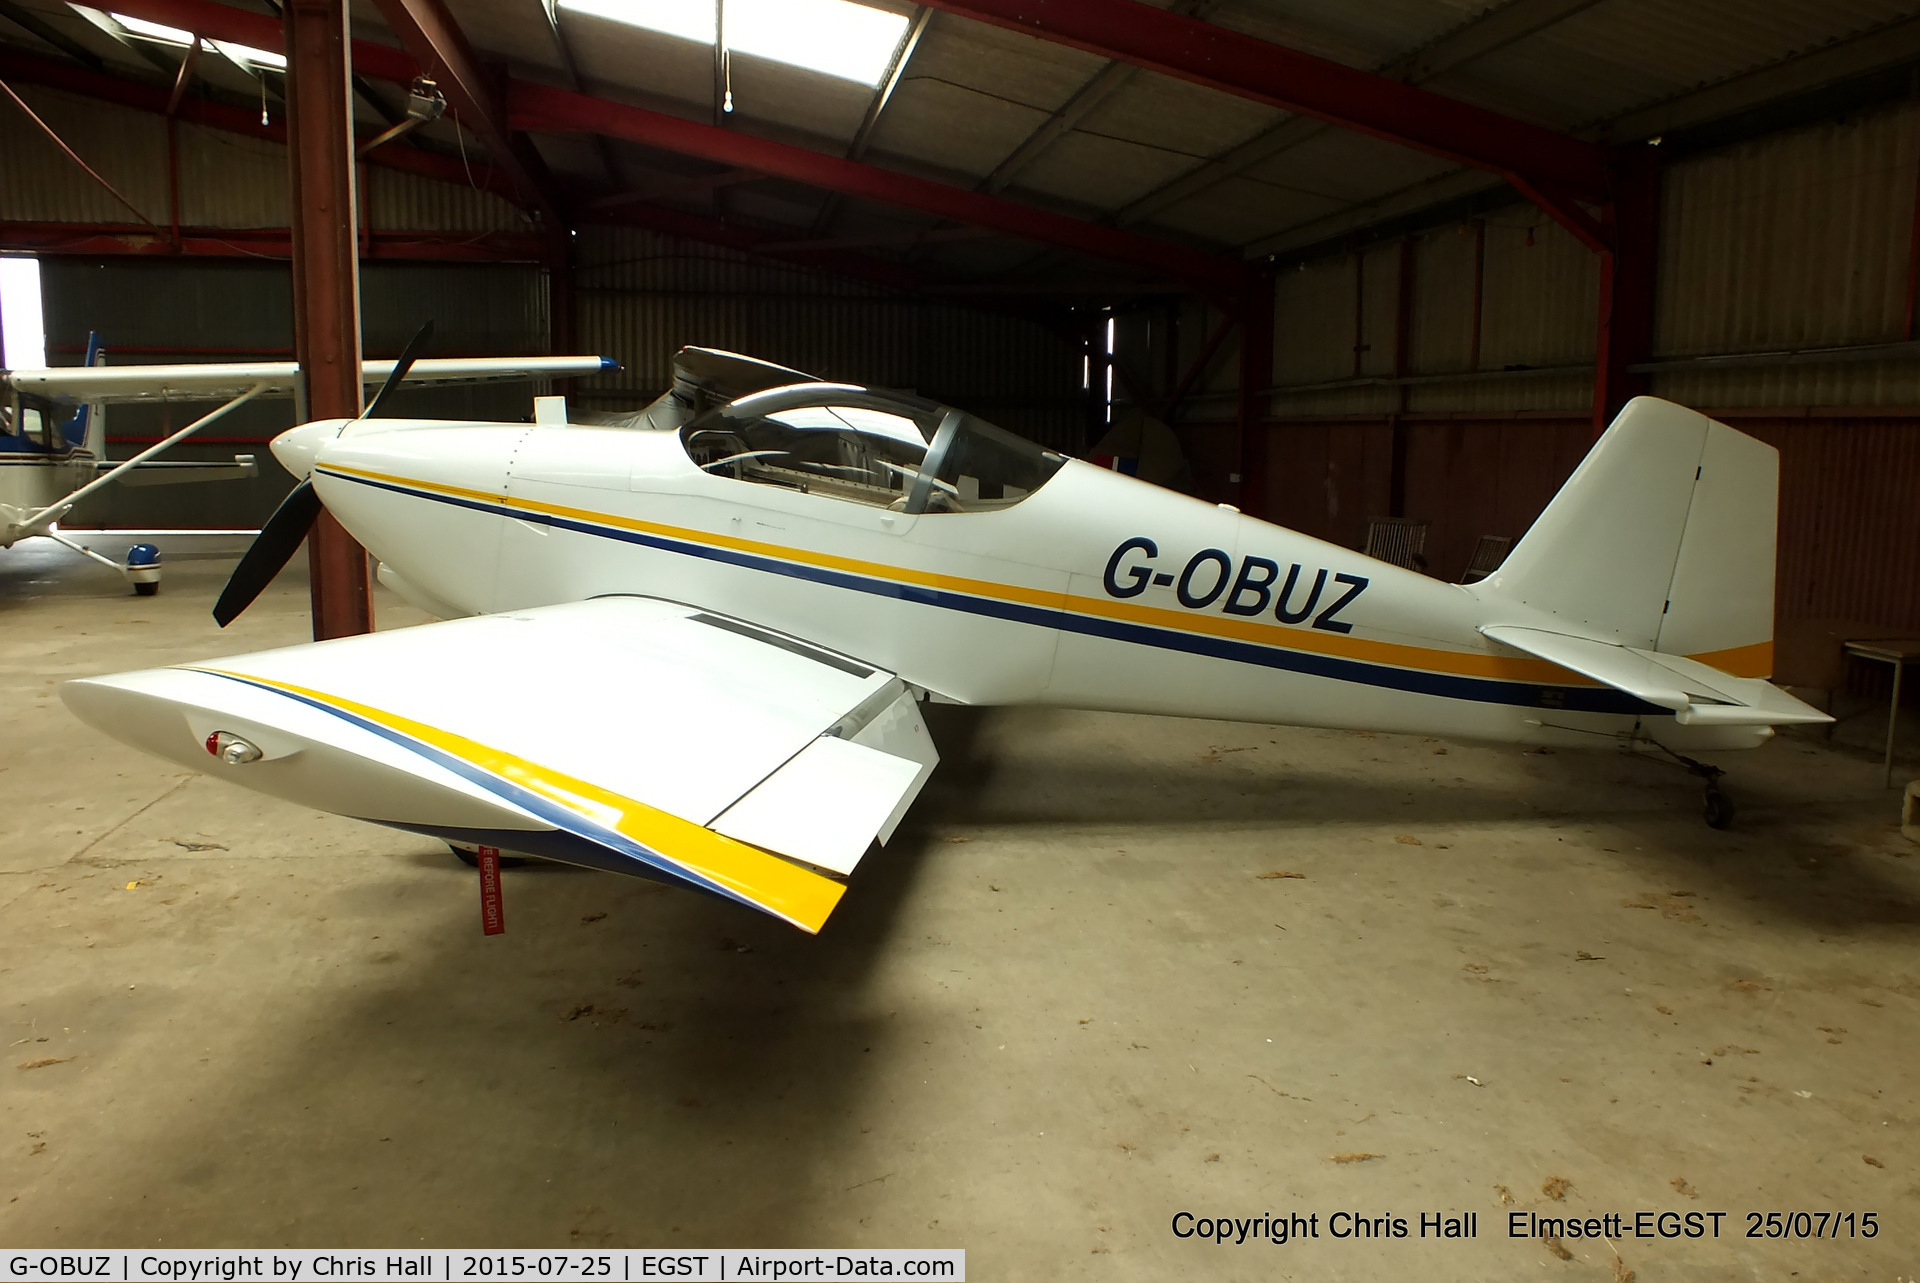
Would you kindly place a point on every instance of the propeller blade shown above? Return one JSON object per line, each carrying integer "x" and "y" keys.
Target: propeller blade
{"x": 270, "y": 550}
{"x": 407, "y": 357}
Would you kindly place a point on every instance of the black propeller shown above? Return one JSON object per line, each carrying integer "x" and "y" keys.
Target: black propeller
{"x": 408, "y": 355}
{"x": 274, "y": 546}
{"x": 270, "y": 550}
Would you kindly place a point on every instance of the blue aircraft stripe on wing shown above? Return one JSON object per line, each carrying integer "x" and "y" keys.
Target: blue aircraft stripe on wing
{"x": 552, "y": 812}
{"x": 1575, "y": 699}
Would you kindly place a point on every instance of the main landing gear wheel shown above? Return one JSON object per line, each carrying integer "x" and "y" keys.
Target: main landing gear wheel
{"x": 1719, "y": 809}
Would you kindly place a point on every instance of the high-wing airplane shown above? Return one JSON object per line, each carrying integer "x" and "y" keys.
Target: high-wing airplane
{"x": 691, "y": 644}
{"x": 53, "y": 430}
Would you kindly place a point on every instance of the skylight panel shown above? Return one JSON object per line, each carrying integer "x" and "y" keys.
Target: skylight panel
{"x": 833, "y": 37}
{"x": 669, "y": 17}
{"x": 153, "y": 30}
{"x": 248, "y": 58}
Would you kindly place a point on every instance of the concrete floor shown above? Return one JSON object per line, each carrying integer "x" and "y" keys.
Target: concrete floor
{"x": 1071, "y": 1000}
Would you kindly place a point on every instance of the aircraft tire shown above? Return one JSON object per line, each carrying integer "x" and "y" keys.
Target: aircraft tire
{"x": 146, "y": 590}
{"x": 1719, "y": 809}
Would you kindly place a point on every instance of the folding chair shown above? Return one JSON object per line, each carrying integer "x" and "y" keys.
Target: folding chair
{"x": 1487, "y": 556}
{"x": 1400, "y": 540}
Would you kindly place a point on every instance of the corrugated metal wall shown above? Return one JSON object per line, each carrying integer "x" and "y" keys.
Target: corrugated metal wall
{"x": 642, "y": 296}
{"x": 1800, "y": 239}
{"x": 127, "y": 148}
{"x": 639, "y": 298}
{"x": 157, "y": 310}
{"x": 226, "y": 180}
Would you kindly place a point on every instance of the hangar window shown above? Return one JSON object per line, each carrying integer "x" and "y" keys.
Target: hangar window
{"x": 23, "y": 330}
{"x": 879, "y": 448}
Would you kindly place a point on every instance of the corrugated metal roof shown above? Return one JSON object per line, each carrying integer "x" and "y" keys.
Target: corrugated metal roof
{"x": 1622, "y": 54}
{"x": 973, "y": 93}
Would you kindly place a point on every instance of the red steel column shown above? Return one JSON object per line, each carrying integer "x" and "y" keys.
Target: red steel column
{"x": 326, "y": 281}
{"x": 1256, "y": 376}
{"x": 1627, "y": 273}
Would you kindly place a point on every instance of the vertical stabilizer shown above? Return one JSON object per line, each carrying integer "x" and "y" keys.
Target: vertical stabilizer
{"x": 1662, "y": 540}
{"x": 87, "y": 428}
{"x": 94, "y": 440}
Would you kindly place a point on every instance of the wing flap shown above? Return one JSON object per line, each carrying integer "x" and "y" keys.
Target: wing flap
{"x": 825, "y": 806}
{"x": 1696, "y": 692}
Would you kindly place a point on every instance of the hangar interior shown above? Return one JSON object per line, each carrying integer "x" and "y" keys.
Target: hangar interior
{"x": 1364, "y": 270}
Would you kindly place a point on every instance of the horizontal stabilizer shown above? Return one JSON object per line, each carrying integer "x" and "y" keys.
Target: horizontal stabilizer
{"x": 1696, "y": 692}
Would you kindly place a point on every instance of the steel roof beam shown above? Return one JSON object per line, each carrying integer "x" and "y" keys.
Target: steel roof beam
{"x": 1488, "y": 33}
{"x": 539, "y": 107}
{"x": 1077, "y": 108}
{"x": 863, "y": 136}
{"x": 534, "y": 106}
{"x": 101, "y": 240}
{"x": 31, "y": 69}
{"x": 29, "y": 21}
{"x": 437, "y": 44}
{"x": 1062, "y": 122}
{"x": 896, "y": 68}
{"x": 747, "y": 240}
{"x": 1182, "y": 47}
{"x": 550, "y": 10}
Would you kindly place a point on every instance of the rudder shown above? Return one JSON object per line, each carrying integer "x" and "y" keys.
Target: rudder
{"x": 1662, "y": 540}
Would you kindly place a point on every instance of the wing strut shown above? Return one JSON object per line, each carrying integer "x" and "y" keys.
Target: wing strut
{"x": 34, "y": 523}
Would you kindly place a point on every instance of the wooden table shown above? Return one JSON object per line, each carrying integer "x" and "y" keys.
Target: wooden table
{"x": 1898, "y": 651}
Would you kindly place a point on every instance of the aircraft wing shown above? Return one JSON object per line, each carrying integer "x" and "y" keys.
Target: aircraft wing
{"x": 121, "y": 383}
{"x": 622, "y": 733}
{"x": 157, "y": 473}
{"x": 1696, "y": 692}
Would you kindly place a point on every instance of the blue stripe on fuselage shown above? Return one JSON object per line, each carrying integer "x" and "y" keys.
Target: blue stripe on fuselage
{"x": 1573, "y": 699}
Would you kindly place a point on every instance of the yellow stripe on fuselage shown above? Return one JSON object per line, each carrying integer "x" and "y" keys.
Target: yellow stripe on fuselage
{"x": 1754, "y": 661}
{"x": 782, "y": 888}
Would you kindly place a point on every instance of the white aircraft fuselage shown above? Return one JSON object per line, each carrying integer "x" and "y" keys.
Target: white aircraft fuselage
{"x": 1096, "y": 591}
{"x": 699, "y": 638}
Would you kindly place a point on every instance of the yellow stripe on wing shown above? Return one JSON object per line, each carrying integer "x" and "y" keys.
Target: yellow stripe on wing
{"x": 1511, "y": 668}
{"x": 782, "y": 888}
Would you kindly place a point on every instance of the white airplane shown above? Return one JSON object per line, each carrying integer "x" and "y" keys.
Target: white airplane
{"x": 691, "y": 646}
{"x": 53, "y": 430}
